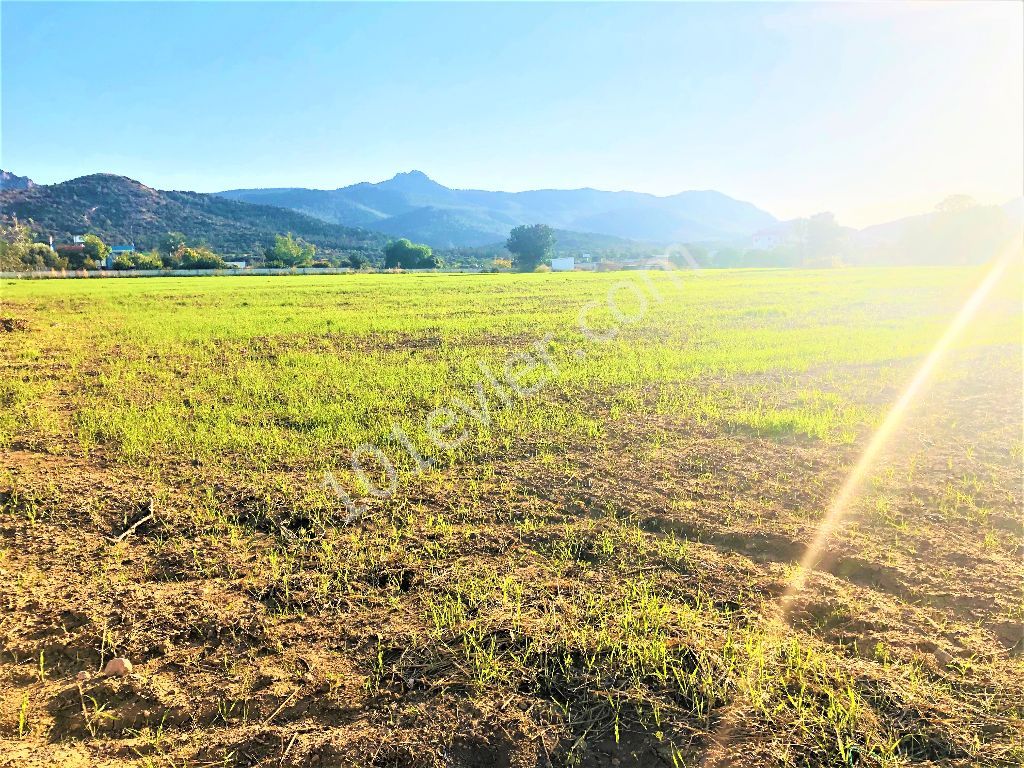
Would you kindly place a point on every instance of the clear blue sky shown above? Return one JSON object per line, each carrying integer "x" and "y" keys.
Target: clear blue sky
{"x": 870, "y": 111}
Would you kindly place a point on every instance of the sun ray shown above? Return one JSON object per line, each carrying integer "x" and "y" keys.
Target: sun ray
{"x": 851, "y": 487}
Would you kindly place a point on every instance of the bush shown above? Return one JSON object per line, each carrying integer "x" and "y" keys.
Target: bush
{"x": 197, "y": 258}
{"x": 122, "y": 261}
{"x": 18, "y": 253}
{"x": 150, "y": 260}
{"x": 41, "y": 256}
{"x": 542, "y": 268}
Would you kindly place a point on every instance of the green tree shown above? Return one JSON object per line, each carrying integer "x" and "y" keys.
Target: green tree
{"x": 96, "y": 251}
{"x": 18, "y": 253}
{"x": 358, "y": 260}
{"x": 170, "y": 242}
{"x": 50, "y": 259}
{"x": 149, "y": 260}
{"x": 404, "y": 254}
{"x": 530, "y": 245}
{"x": 197, "y": 258}
{"x": 433, "y": 261}
{"x": 122, "y": 261}
{"x": 76, "y": 259}
{"x": 288, "y": 251}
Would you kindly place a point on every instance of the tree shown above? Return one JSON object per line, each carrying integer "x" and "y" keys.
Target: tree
{"x": 959, "y": 232}
{"x": 150, "y": 260}
{"x": 122, "y": 261}
{"x": 18, "y": 253}
{"x": 433, "y": 261}
{"x": 46, "y": 257}
{"x": 96, "y": 251}
{"x": 529, "y": 245}
{"x": 288, "y": 251}
{"x": 358, "y": 260}
{"x": 404, "y": 254}
{"x": 170, "y": 242}
{"x": 197, "y": 258}
{"x": 76, "y": 257}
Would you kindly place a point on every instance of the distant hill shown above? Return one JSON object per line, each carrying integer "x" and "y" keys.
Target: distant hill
{"x": 893, "y": 232}
{"x": 415, "y": 206}
{"x": 10, "y": 180}
{"x": 971, "y": 234}
{"x": 121, "y": 210}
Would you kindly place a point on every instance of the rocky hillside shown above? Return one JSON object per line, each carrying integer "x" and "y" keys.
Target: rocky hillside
{"x": 119, "y": 209}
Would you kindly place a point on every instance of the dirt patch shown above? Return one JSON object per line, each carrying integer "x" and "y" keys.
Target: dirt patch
{"x": 564, "y": 605}
{"x": 12, "y": 324}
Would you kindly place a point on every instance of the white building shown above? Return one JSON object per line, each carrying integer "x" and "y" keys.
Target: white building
{"x": 563, "y": 264}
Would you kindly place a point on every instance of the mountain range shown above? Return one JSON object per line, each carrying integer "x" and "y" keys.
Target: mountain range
{"x": 121, "y": 210}
{"x": 415, "y": 206}
{"x": 364, "y": 217}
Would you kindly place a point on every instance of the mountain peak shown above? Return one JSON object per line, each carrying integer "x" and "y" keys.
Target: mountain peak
{"x": 106, "y": 178}
{"x": 10, "y": 180}
{"x": 413, "y": 174}
{"x": 412, "y": 181}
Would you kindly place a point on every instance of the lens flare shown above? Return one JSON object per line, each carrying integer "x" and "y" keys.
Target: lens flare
{"x": 851, "y": 487}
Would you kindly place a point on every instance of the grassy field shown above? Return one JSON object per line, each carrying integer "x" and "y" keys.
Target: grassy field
{"x": 508, "y": 520}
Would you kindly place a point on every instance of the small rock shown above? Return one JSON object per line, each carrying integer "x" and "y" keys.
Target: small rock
{"x": 83, "y": 676}
{"x": 118, "y": 667}
{"x": 942, "y": 658}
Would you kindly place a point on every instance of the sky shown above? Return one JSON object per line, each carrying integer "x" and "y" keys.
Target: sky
{"x": 872, "y": 111}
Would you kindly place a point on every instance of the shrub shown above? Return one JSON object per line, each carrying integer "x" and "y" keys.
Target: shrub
{"x": 149, "y": 260}
{"x": 197, "y": 258}
{"x": 122, "y": 261}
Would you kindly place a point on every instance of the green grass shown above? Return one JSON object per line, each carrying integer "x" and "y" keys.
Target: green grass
{"x": 580, "y": 559}
{"x": 271, "y": 372}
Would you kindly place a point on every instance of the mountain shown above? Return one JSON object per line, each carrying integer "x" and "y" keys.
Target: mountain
{"x": 415, "y": 206}
{"x": 9, "y": 180}
{"x": 121, "y": 210}
{"x": 1006, "y": 218}
{"x": 966, "y": 233}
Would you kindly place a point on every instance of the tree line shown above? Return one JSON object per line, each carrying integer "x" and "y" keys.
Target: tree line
{"x": 529, "y": 246}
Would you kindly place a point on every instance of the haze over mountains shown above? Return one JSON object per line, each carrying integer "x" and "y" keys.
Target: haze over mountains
{"x": 415, "y": 206}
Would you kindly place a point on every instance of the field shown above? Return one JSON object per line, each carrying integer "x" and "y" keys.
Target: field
{"x": 510, "y": 520}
